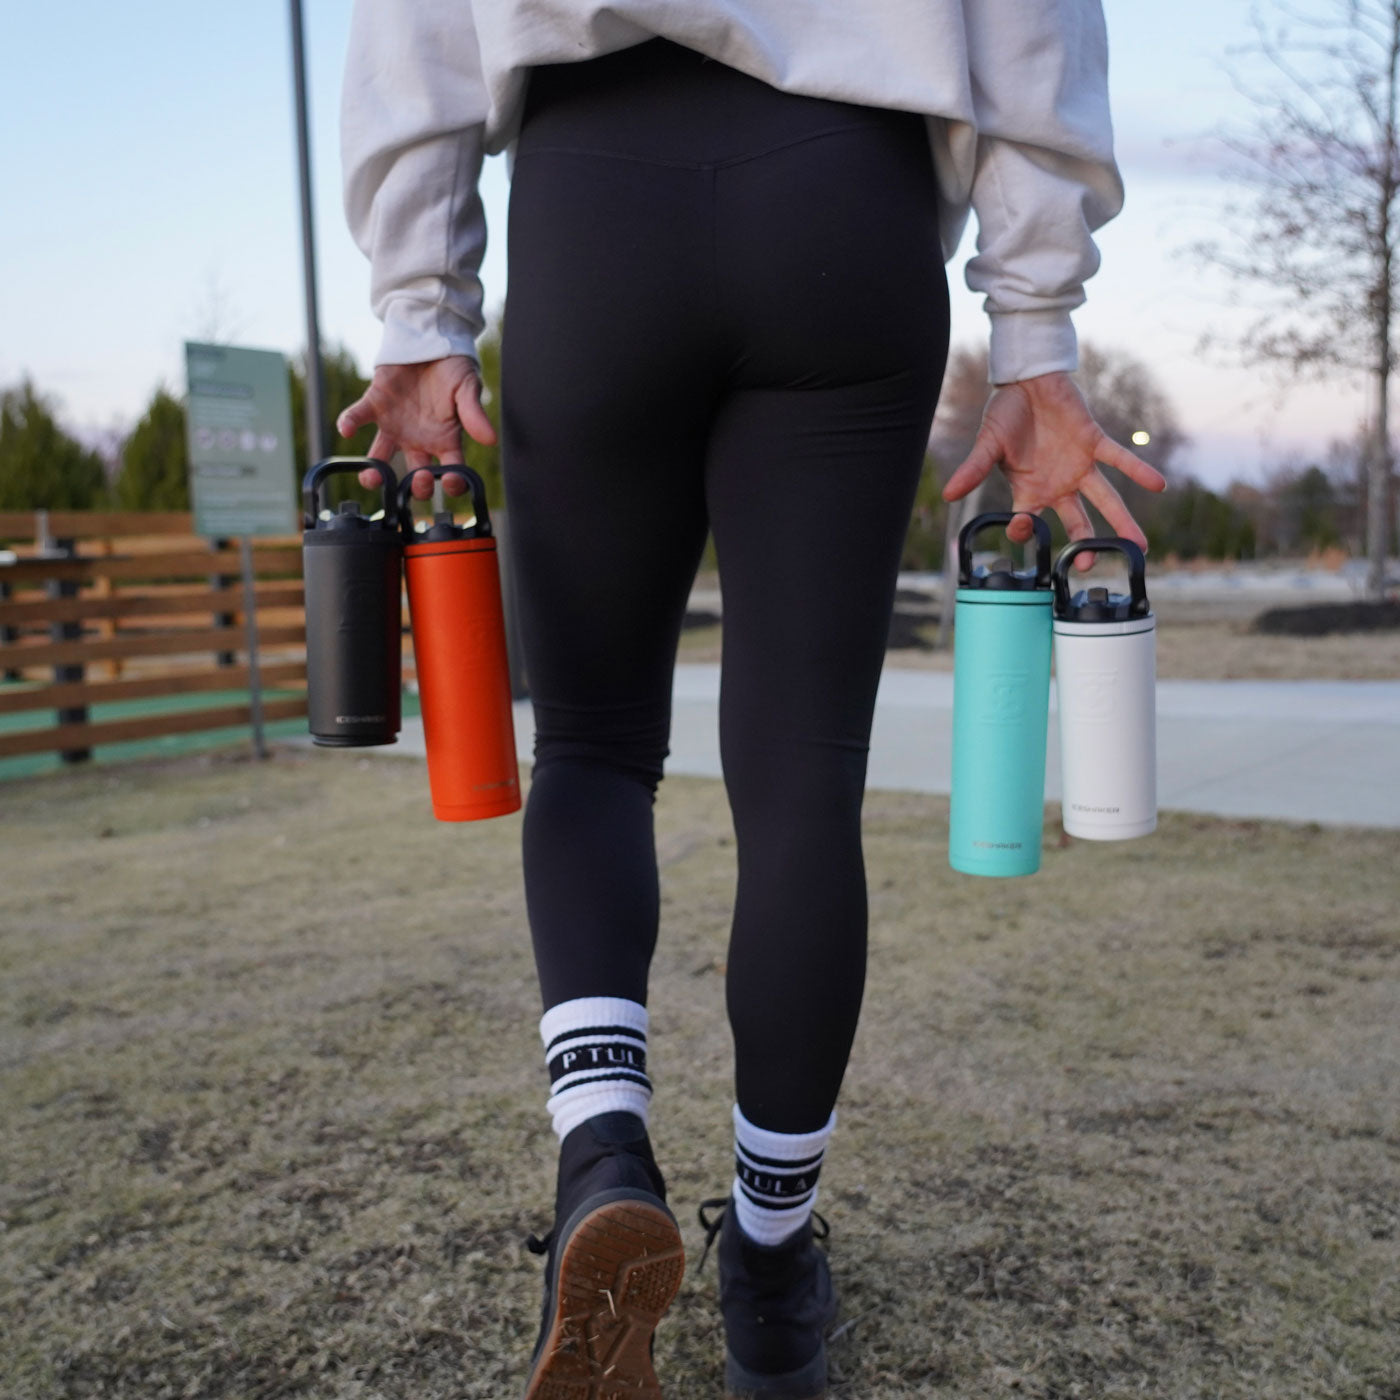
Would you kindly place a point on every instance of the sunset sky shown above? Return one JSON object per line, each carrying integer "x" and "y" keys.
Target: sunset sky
{"x": 150, "y": 196}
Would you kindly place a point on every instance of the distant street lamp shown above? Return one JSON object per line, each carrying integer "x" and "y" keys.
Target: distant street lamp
{"x": 1141, "y": 438}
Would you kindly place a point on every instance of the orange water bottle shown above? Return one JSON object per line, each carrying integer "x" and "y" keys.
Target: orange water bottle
{"x": 459, "y": 645}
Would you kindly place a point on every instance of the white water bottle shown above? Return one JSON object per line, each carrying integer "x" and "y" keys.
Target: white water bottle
{"x": 1106, "y": 681}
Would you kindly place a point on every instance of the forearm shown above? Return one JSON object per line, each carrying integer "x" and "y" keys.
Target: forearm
{"x": 1046, "y": 177}
{"x": 412, "y": 121}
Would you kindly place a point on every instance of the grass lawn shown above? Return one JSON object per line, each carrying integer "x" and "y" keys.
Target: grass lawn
{"x": 273, "y": 1117}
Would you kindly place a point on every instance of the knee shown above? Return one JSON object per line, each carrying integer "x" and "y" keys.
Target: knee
{"x": 627, "y": 744}
{"x": 788, "y": 789}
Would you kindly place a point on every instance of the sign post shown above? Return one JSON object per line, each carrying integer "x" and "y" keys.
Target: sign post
{"x": 239, "y": 424}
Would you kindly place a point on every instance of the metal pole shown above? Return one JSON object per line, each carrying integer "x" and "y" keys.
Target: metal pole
{"x": 65, "y": 632}
{"x": 250, "y": 618}
{"x": 315, "y": 385}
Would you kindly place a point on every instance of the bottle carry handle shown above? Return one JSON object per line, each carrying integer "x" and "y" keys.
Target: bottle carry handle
{"x": 316, "y": 477}
{"x": 482, "y": 528}
{"x": 1137, "y": 570}
{"x": 1003, "y": 517}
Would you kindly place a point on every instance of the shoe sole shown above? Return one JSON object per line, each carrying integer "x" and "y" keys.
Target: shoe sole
{"x": 807, "y": 1384}
{"x": 758, "y": 1395}
{"x": 619, "y": 1269}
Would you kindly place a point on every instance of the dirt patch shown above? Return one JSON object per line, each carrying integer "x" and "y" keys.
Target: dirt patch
{"x": 274, "y": 1120}
{"x": 1328, "y": 619}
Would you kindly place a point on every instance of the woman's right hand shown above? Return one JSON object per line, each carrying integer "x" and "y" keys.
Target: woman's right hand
{"x": 423, "y": 410}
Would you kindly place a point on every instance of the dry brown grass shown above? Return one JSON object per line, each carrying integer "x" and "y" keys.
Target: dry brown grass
{"x": 274, "y": 1119}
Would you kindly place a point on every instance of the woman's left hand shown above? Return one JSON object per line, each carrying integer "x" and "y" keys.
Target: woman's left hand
{"x": 1042, "y": 435}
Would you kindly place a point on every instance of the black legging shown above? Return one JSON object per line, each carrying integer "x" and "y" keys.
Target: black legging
{"x": 727, "y": 310}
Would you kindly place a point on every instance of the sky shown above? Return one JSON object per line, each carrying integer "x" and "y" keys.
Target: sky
{"x": 148, "y": 195}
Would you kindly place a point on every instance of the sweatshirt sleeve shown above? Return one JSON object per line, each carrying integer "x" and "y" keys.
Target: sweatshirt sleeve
{"x": 413, "y": 114}
{"x": 1045, "y": 175}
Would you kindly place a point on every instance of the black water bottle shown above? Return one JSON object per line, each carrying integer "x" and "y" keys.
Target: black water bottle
{"x": 352, "y": 566}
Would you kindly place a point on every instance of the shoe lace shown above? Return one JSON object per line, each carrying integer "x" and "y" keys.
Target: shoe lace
{"x": 536, "y": 1245}
{"x": 712, "y": 1225}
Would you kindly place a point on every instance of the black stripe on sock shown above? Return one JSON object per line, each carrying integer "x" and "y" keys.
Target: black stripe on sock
{"x": 611, "y": 1074}
{"x": 785, "y": 1163}
{"x": 596, "y": 1032}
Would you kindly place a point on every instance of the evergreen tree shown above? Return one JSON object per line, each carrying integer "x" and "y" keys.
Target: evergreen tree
{"x": 155, "y": 459}
{"x": 1315, "y": 502}
{"x": 41, "y": 466}
{"x": 342, "y": 383}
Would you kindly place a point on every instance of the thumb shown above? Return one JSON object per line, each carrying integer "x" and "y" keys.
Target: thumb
{"x": 470, "y": 413}
{"x": 974, "y": 469}
{"x": 355, "y": 417}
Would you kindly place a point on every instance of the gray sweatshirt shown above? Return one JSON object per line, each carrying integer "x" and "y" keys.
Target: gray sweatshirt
{"x": 1014, "y": 92}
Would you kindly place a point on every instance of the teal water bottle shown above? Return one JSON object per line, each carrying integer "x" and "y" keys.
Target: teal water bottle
{"x": 1001, "y": 697}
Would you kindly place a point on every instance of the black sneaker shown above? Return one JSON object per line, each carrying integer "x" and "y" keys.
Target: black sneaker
{"x": 777, "y": 1302}
{"x": 615, "y": 1262}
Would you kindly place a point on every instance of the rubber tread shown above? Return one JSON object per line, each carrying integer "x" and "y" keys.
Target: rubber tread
{"x": 619, "y": 1270}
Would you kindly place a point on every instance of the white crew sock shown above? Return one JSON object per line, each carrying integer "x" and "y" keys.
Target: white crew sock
{"x": 596, "y": 1049}
{"x": 775, "y": 1181}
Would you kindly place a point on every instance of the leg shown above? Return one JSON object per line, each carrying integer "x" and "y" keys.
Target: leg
{"x": 808, "y": 588}
{"x": 604, "y": 441}
{"x": 606, "y": 412}
{"x": 813, "y": 464}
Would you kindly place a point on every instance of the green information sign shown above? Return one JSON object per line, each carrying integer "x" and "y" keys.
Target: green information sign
{"x": 240, "y": 440}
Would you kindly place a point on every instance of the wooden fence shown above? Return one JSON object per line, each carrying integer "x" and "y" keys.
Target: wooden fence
{"x": 103, "y": 608}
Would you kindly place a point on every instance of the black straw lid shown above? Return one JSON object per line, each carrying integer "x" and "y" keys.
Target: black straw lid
{"x": 1003, "y": 576}
{"x": 1099, "y": 604}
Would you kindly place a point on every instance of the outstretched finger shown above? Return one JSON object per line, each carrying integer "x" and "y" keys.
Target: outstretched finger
{"x": 1110, "y": 505}
{"x": 974, "y": 469}
{"x": 421, "y": 487}
{"x": 1078, "y": 526}
{"x": 452, "y": 483}
{"x": 1021, "y": 527}
{"x": 1114, "y": 454}
{"x": 382, "y": 449}
{"x": 355, "y": 417}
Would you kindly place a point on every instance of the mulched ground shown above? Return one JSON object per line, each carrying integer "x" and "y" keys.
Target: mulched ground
{"x": 1326, "y": 619}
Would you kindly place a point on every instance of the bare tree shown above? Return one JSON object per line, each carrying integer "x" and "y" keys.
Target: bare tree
{"x": 216, "y": 319}
{"x": 1317, "y": 233}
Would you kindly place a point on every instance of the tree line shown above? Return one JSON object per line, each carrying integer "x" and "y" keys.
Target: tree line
{"x": 1299, "y": 508}
{"x": 43, "y": 466}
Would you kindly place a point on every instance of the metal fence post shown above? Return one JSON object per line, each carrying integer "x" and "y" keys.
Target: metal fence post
{"x": 59, "y": 631}
{"x": 217, "y": 581}
{"x": 8, "y": 634}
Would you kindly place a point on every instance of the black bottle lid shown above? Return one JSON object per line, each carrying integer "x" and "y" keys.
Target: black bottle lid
{"x": 1099, "y": 604}
{"x": 1003, "y": 575}
{"x": 349, "y": 516}
{"x": 443, "y": 526}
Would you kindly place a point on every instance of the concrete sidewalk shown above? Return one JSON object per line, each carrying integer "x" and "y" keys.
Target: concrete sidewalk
{"x": 1320, "y": 751}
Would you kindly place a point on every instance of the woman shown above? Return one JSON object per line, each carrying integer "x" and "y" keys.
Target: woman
{"x": 727, "y": 313}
